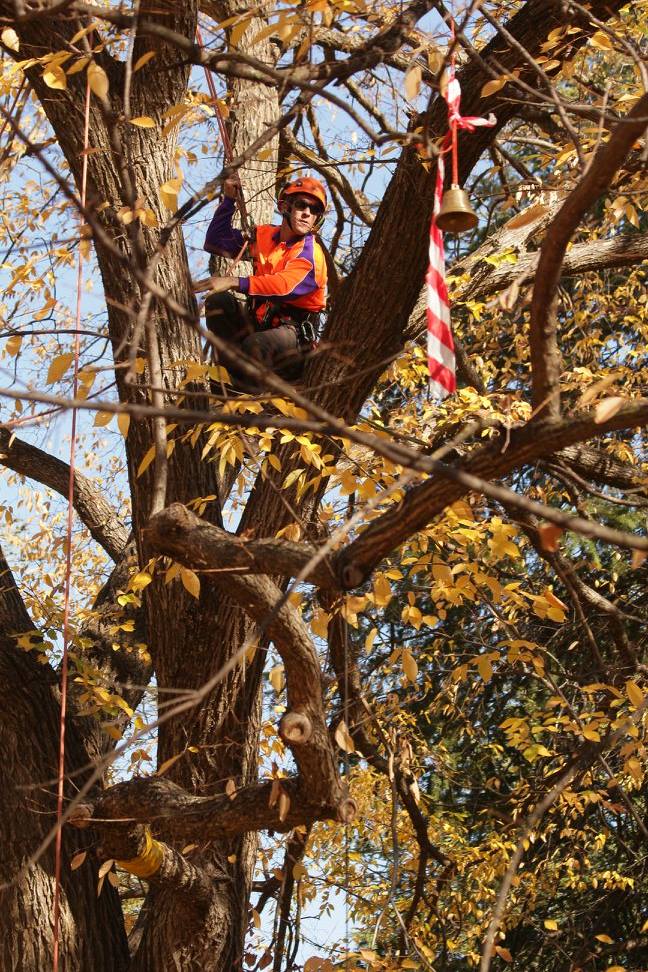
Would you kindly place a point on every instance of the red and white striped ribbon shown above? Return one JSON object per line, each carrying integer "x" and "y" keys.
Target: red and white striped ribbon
{"x": 440, "y": 345}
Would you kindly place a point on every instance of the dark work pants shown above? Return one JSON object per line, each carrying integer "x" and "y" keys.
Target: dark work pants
{"x": 276, "y": 348}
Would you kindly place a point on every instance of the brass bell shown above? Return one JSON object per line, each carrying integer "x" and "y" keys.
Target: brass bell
{"x": 456, "y": 214}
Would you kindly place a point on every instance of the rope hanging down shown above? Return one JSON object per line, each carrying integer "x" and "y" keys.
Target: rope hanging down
{"x": 440, "y": 344}
{"x": 68, "y": 558}
{"x": 228, "y": 154}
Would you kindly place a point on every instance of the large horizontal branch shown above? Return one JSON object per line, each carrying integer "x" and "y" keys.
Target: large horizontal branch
{"x": 485, "y": 279}
{"x": 601, "y": 467}
{"x": 179, "y": 533}
{"x": 93, "y": 510}
{"x": 184, "y": 816}
{"x": 620, "y": 251}
{"x": 545, "y": 355}
{"x": 499, "y": 458}
{"x": 420, "y": 505}
{"x": 559, "y": 435}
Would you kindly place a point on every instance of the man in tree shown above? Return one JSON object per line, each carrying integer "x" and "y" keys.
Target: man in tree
{"x": 277, "y": 324}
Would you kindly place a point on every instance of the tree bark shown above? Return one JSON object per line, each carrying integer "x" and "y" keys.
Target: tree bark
{"x": 92, "y": 932}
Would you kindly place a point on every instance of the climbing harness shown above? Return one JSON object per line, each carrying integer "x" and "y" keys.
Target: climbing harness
{"x": 440, "y": 344}
{"x": 306, "y": 323}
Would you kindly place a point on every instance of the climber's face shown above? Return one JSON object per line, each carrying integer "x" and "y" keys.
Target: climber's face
{"x": 303, "y": 213}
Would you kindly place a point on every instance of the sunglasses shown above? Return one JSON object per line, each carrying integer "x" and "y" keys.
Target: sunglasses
{"x": 306, "y": 204}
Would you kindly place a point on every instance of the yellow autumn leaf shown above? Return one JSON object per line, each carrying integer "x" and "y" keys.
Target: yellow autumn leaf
{"x": 320, "y": 622}
{"x": 144, "y": 59}
{"x": 291, "y": 532}
{"x": 143, "y": 121}
{"x": 590, "y": 733}
{"x": 41, "y": 314}
{"x": 59, "y": 366}
{"x": 604, "y": 938}
{"x": 10, "y": 39}
{"x": 13, "y": 344}
{"x": 550, "y": 924}
{"x": 169, "y": 193}
{"x": 491, "y": 87}
{"x": 382, "y": 591}
{"x": 105, "y": 867}
{"x": 123, "y": 423}
{"x": 161, "y": 770}
{"x": 55, "y": 77}
{"x": 190, "y": 581}
{"x": 410, "y": 667}
{"x": 343, "y": 737}
{"x": 140, "y": 580}
{"x": 608, "y": 408}
{"x": 485, "y": 667}
{"x": 146, "y": 461}
{"x": 237, "y": 32}
{"x": 370, "y": 639}
{"x": 603, "y": 43}
{"x": 103, "y": 418}
{"x": 78, "y": 860}
{"x": 412, "y": 82}
{"x": 98, "y": 80}
{"x": 504, "y": 953}
{"x": 634, "y": 693}
{"x": 277, "y": 678}
{"x": 267, "y": 31}
{"x": 316, "y": 964}
{"x": 78, "y": 65}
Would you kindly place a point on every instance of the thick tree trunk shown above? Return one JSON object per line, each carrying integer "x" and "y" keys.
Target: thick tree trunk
{"x": 91, "y": 927}
{"x": 188, "y": 638}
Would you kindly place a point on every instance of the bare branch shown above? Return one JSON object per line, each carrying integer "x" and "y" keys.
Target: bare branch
{"x": 93, "y": 510}
{"x": 545, "y": 356}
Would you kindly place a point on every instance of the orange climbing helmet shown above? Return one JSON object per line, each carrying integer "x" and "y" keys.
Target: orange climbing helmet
{"x": 307, "y": 187}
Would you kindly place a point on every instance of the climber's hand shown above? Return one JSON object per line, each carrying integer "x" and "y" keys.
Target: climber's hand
{"x": 215, "y": 285}
{"x": 232, "y": 186}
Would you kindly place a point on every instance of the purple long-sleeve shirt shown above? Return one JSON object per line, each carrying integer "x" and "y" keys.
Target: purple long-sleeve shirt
{"x": 293, "y": 271}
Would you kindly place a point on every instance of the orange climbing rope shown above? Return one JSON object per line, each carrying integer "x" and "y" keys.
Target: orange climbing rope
{"x": 68, "y": 560}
